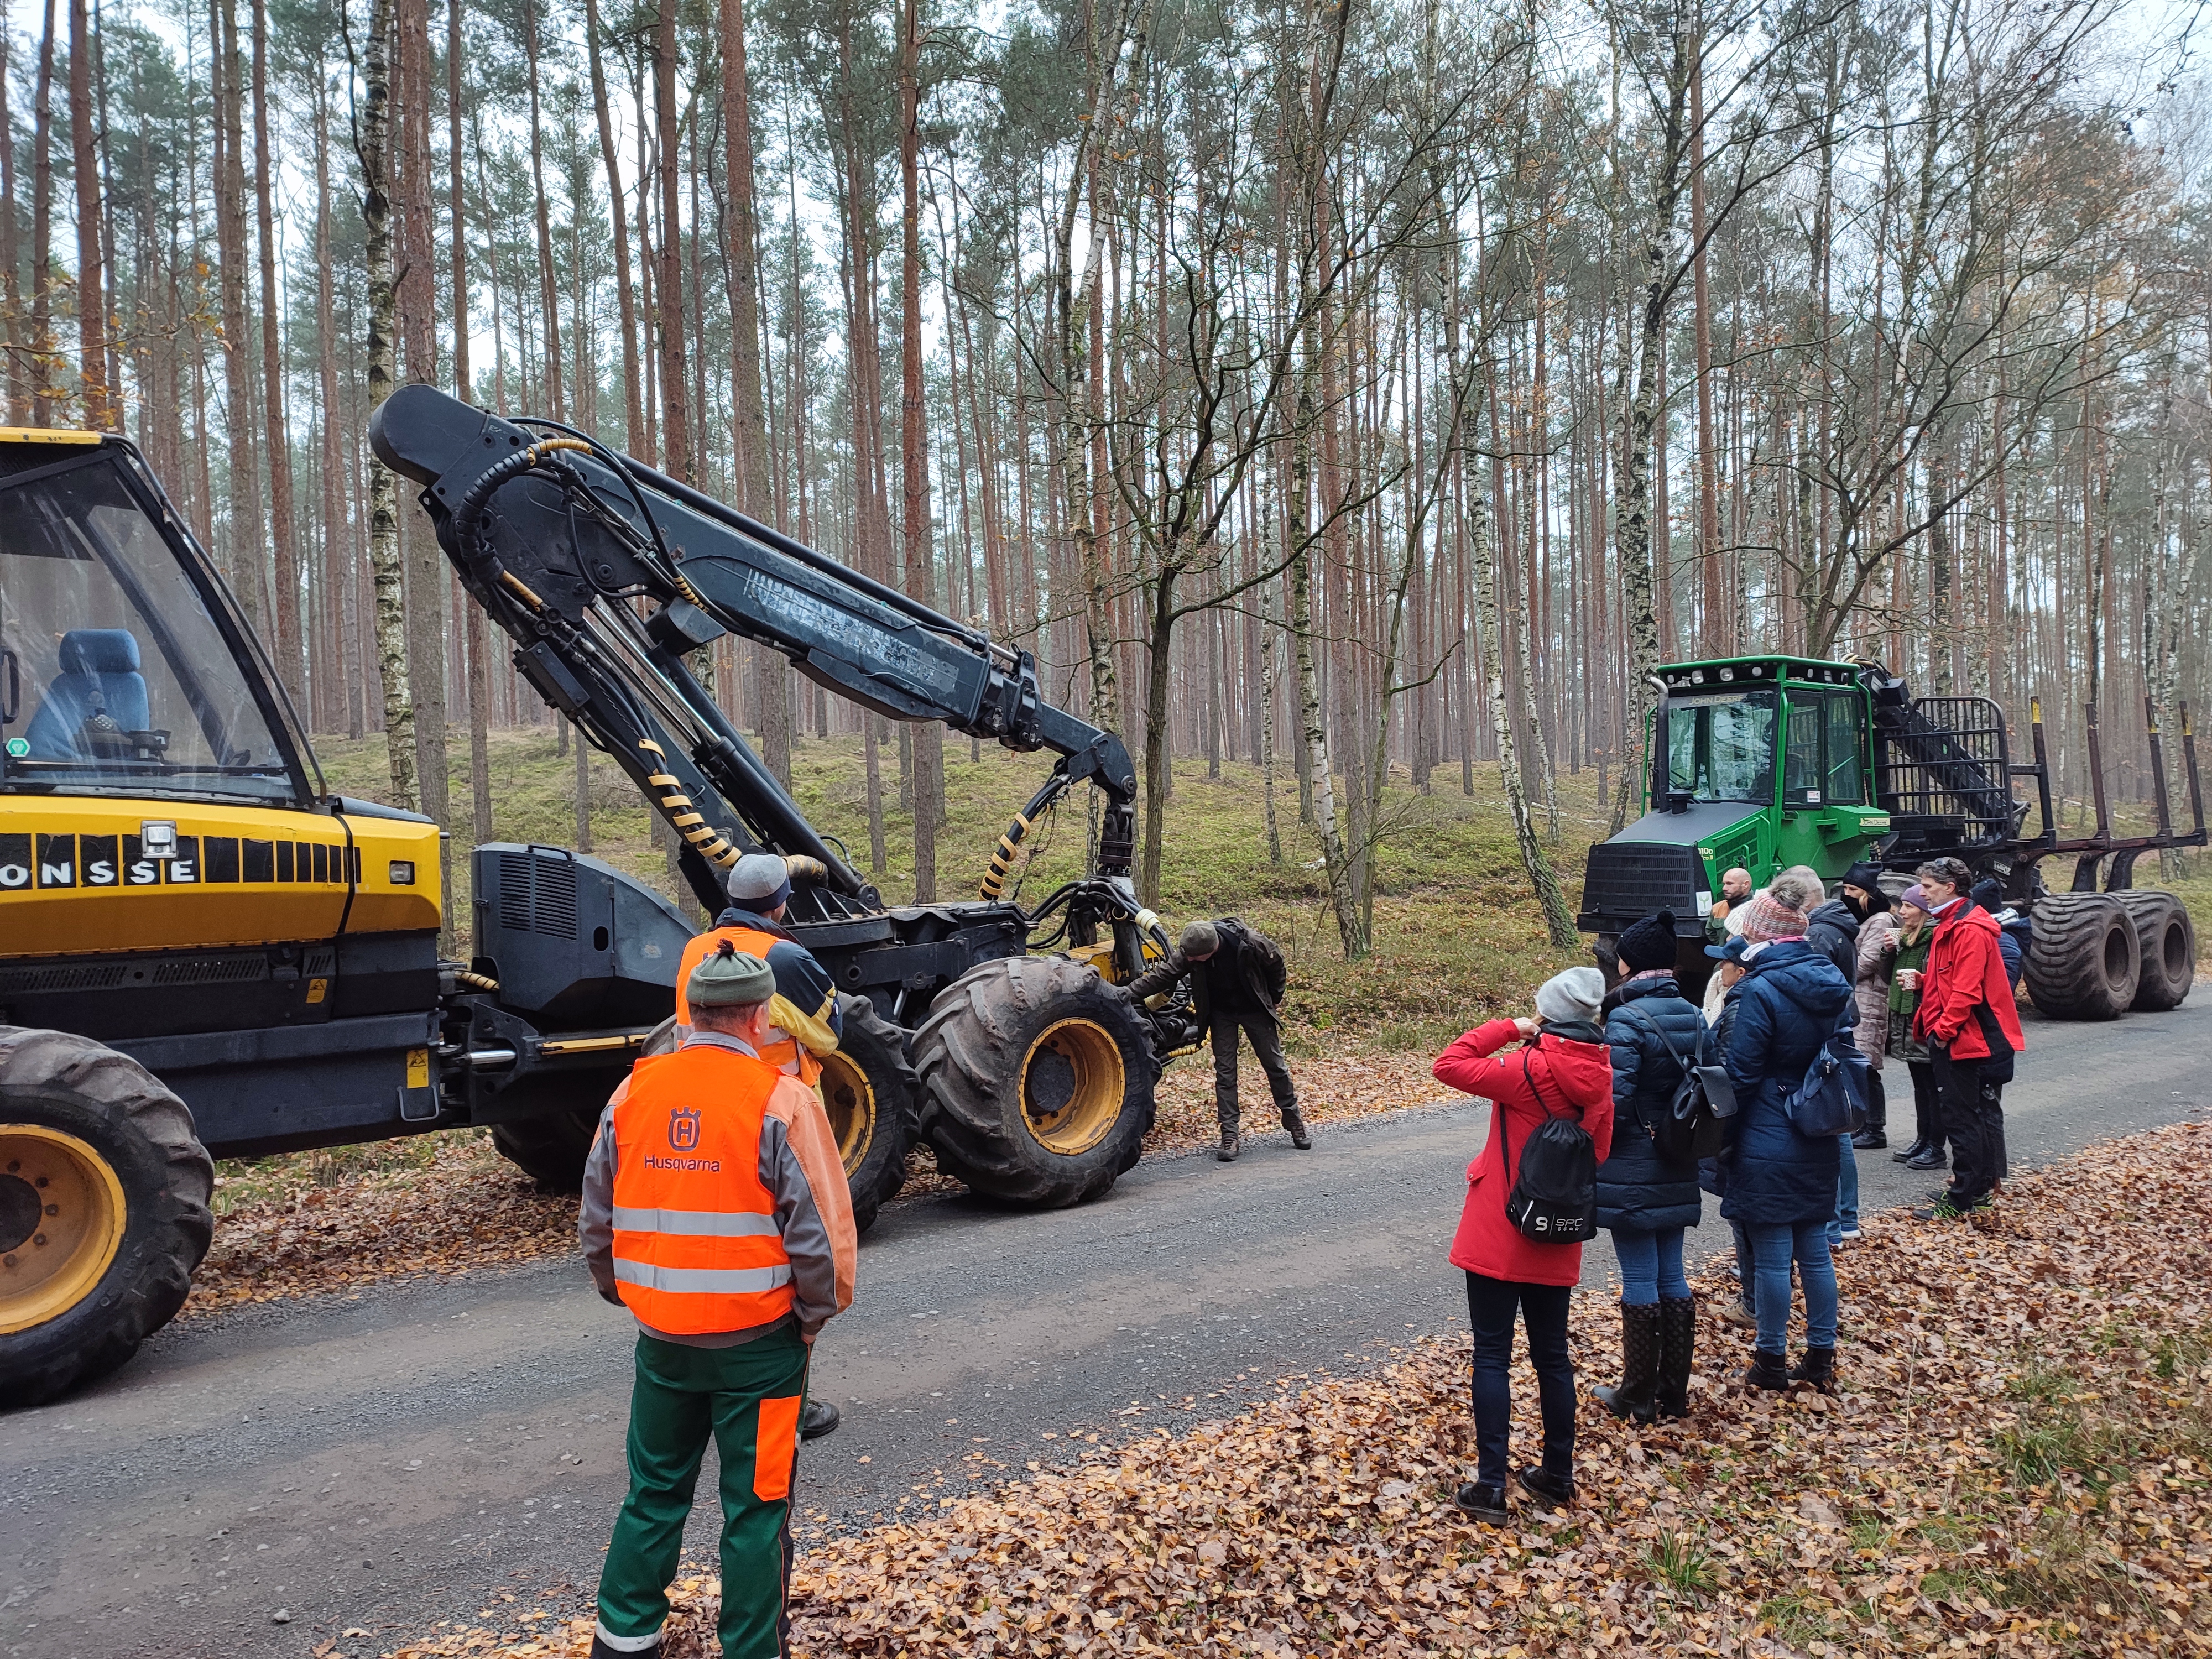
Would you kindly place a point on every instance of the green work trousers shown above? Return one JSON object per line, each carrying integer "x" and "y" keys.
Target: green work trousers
{"x": 748, "y": 1398}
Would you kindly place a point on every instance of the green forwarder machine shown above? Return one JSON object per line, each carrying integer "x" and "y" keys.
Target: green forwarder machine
{"x": 1769, "y": 762}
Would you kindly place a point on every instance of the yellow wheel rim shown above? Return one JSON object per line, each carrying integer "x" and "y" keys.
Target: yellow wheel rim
{"x": 1072, "y": 1085}
{"x": 62, "y": 1214}
{"x": 850, "y": 1101}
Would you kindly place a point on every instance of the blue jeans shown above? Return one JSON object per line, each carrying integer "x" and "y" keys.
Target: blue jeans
{"x": 1847, "y": 1190}
{"x": 1774, "y": 1245}
{"x": 1651, "y": 1264}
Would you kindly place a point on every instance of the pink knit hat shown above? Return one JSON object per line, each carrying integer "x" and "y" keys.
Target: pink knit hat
{"x": 1767, "y": 918}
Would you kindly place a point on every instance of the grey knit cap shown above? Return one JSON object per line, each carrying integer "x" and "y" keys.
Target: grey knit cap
{"x": 1575, "y": 994}
{"x": 760, "y": 882}
{"x": 730, "y": 978}
{"x": 1200, "y": 938}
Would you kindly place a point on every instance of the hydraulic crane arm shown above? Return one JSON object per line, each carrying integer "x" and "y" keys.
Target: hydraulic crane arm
{"x": 607, "y": 574}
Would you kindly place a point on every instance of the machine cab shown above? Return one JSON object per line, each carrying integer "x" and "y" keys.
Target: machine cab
{"x": 123, "y": 665}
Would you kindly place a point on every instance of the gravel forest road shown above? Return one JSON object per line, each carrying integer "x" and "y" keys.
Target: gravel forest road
{"x": 382, "y": 1463}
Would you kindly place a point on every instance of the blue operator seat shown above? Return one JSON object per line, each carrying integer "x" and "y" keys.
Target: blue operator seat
{"x": 100, "y": 675}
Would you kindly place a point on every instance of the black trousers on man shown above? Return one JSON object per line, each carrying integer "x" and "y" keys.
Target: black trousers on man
{"x": 1973, "y": 1118}
{"x": 1267, "y": 1042}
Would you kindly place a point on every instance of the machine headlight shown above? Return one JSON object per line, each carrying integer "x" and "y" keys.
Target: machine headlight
{"x": 403, "y": 872}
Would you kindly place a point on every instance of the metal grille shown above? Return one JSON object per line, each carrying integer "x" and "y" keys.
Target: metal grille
{"x": 211, "y": 970}
{"x": 537, "y": 894}
{"x": 1942, "y": 773}
{"x": 100, "y": 977}
{"x": 1628, "y": 879}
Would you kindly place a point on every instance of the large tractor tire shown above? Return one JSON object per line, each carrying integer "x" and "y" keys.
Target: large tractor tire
{"x": 1036, "y": 1079}
{"x": 2083, "y": 960}
{"x": 103, "y": 1210}
{"x": 2167, "y": 941}
{"x": 550, "y": 1148}
{"x": 869, "y": 1090}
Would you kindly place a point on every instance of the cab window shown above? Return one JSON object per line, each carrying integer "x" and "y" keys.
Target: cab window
{"x": 115, "y": 676}
{"x": 1720, "y": 744}
{"x": 1824, "y": 760}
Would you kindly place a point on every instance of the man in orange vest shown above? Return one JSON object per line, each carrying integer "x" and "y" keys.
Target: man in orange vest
{"x": 807, "y": 1022}
{"x": 715, "y": 1209}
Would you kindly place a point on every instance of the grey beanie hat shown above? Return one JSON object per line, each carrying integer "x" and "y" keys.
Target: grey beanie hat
{"x": 1577, "y": 993}
{"x": 1200, "y": 938}
{"x": 760, "y": 882}
{"x": 730, "y": 978}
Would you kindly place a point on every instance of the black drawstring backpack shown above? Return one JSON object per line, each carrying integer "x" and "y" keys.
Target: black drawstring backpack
{"x": 1554, "y": 1196}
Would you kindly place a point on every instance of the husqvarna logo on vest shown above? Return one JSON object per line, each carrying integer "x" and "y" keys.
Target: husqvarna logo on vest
{"x": 684, "y": 1128}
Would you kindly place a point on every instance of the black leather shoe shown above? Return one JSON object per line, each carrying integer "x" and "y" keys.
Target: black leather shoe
{"x": 1818, "y": 1367}
{"x": 1906, "y": 1154}
{"x": 820, "y": 1418}
{"x": 1766, "y": 1371}
{"x": 1486, "y": 1503}
{"x": 1932, "y": 1159}
{"x": 1869, "y": 1140}
{"x": 1551, "y": 1491}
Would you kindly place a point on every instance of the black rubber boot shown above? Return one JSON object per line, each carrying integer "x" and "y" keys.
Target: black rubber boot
{"x": 1818, "y": 1367}
{"x": 1297, "y": 1125}
{"x": 1678, "y": 1344}
{"x": 1485, "y": 1503}
{"x": 820, "y": 1418}
{"x": 1551, "y": 1491}
{"x": 1639, "y": 1364}
{"x": 1766, "y": 1371}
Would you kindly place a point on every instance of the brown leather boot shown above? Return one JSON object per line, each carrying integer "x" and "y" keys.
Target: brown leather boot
{"x": 1231, "y": 1144}
{"x": 1296, "y": 1124}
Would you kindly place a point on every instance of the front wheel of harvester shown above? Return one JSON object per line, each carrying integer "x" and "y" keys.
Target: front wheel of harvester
{"x": 103, "y": 1210}
{"x": 2167, "y": 941}
{"x": 869, "y": 1090}
{"x": 551, "y": 1147}
{"x": 1036, "y": 1080}
{"x": 2084, "y": 959}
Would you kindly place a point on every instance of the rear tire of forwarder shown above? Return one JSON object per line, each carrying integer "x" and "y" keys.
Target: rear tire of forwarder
{"x": 2167, "y": 940}
{"x": 869, "y": 1091}
{"x": 550, "y": 1148}
{"x": 1037, "y": 1079}
{"x": 103, "y": 1210}
{"x": 2084, "y": 959}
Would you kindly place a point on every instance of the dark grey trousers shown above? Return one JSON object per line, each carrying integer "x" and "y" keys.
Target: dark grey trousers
{"x": 1267, "y": 1042}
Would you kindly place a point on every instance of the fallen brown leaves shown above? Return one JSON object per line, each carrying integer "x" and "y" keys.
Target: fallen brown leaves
{"x": 2020, "y": 1463}
{"x": 462, "y": 1207}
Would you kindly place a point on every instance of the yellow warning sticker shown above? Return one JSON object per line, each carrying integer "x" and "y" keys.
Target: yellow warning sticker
{"x": 418, "y": 1068}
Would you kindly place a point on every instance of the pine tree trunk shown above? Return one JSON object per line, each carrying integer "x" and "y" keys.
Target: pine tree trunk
{"x": 42, "y": 225}
{"x": 91, "y": 312}
{"x": 676, "y": 446}
{"x": 383, "y": 486}
{"x": 914, "y": 444}
{"x": 625, "y": 290}
{"x": 1269, "y": 647}
{"x": 11, "y": 283}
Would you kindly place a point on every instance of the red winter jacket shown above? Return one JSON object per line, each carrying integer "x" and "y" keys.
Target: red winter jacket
{"x": 1966, "y": 970}
{"x": 1573, "y": 1077}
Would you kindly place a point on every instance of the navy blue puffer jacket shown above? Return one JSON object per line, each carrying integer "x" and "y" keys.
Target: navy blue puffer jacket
{"x": 1637, "y": 1188}
{"x": 1788, "y": 1002}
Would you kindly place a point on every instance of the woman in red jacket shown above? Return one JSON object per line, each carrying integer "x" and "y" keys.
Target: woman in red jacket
{"x": 1562, "y": 1069}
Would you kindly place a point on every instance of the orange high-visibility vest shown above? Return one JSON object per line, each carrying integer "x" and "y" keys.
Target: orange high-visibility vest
{"x": 696, "y": 1248}
{"x": 788, "y": 1055}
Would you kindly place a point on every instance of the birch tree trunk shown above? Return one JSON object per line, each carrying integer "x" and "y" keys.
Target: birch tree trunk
{"x": 383, "y": 486}
{"x": 290, "y": 662}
